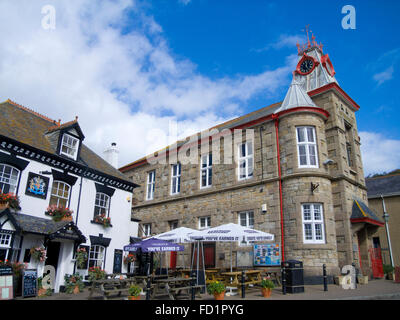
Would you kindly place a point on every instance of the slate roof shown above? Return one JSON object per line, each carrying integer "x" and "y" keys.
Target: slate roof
{"x": 360, "y": 211}
{"x": 263, "y": 112}
{"x": 388, "y": 185}
{"x": 36, "y": 225}
{"x": 29, "y": 127}
{"x": 296, "y": 97}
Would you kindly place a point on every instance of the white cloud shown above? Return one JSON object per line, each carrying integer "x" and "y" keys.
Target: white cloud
{"x": 379, "y": 154}
{"x": 121, "y": 85}
{"x": 184, "y": 2}
{"x": 384, "y": 75}
{"x": 284, "y": 41}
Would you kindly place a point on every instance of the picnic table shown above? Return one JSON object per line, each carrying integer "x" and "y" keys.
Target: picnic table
{"x": 274, "y": 274}
{"x": 172, "y": 287}
{"x": 234, "y": 278}
{"x": 108, "y": 287}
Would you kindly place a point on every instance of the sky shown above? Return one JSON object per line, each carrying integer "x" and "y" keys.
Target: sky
{"x": 130, "y": 68}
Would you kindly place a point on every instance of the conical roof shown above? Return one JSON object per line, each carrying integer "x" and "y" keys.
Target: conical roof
{"x": 296, "y": 97}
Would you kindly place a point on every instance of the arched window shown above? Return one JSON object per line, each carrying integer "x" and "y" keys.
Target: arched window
{"x": 8, "y": 178}
{"x": 102, "y": 204}
{"x": 96, "y": 256}
{"x": 60, "y": 194}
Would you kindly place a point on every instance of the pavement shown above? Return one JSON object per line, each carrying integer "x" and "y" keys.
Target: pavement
{"x": 375, "y": 290}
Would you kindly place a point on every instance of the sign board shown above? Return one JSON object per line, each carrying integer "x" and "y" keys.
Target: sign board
{"x": 267, "y": 254}
{"x": 244, "y": 259}
{"x": 117, "y": 261}
{"x": 30, "y": 283}
{"x": 6, "y": 283}
{"x": 37, "y": 185}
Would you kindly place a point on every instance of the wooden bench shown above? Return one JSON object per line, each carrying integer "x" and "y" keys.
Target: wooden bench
{"x": 176, "y": 291}
{"x": 106, "y": 288}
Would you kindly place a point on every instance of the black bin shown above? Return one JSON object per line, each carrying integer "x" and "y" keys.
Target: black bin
{"x": 294, "y": 276}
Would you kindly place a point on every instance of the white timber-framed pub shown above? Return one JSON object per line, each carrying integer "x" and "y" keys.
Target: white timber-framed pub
{"x": 38, "y": 151}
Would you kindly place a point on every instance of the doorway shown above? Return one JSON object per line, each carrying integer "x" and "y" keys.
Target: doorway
{"x": 53, "y": 252}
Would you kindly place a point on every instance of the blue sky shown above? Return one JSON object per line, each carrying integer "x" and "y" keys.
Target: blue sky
{"x": 128, "y": 68}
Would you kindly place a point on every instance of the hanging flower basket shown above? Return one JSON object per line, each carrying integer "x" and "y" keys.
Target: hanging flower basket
{"x": 103, "y": 220}
{"x": 129, "y": 258}
{"x": 9, "y": 200}
{"x": 38, "y": 254}
{"x": 59, "y": 213}
{"x": 81, "y": 258}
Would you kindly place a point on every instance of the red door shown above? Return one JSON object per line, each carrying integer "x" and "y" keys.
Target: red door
{"x": 376, "y": 262}
{"x": 172, "y": 260}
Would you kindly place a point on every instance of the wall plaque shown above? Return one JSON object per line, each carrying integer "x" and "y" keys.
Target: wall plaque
{"x": 37, "y": 185}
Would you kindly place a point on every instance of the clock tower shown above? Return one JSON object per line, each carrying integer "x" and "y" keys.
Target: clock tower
{"x": 314, "y": 68}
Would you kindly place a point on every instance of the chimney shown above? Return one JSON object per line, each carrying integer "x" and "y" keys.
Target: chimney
{"x": 111, "y": 155}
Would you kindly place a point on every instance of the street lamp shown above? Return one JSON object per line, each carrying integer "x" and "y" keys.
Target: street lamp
{"x": 386, "y": 218}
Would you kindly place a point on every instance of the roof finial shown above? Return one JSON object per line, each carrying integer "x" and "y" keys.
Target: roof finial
{"x": 310, "y": 44}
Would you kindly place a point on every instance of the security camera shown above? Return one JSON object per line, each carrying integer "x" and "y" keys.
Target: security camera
{"x": 328, "y": 162}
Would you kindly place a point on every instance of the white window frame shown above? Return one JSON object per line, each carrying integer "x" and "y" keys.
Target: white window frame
{"x": 58, "y": 196}
{"x": 146, "y": 229}
{"x": 246, "y": 159}
{"x": 247, "y": 217}
{"x": 151, "y": 182}
{"x": 307, "y": 145}
{"x": 10, "y": 179}
{"x": 96, "y": 253}
{"x": 102, "y": 202}
{"x": 313, "y": 222}
{"x": 70, "y": 143}
{"x": 206, "y": 167}
{"x": 176, "y": 178}
{"x": 207, "y": 222}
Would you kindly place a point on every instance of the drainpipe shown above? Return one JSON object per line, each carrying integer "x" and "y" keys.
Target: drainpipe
{"x": 386, "y": 217}
{"x": 276, "y": 118}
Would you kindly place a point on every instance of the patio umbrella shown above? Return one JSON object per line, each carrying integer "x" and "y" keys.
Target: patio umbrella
{"x": 178, "y": 235}
{"x": 154, "y": 245}
{"x": 231, "y": 232}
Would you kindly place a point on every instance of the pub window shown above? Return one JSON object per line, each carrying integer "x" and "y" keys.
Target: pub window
{"x": 96, "y": 256}
{"x": 8, "y": 178}
{"x": 69, "y": 146}
{"x": 245, "y": 163}
{"x": 173, "y": 224}
{"x": 307, "y": 147}
{"x": 204, "y": 222}
{"x": 60, "y": 194}
{"x": 147, "y": 229}
{"x": 176, "y": 178}
{"x": 5, "y": 239}
{"x": 102, "y": 204}
{"x": 313, "y": 223}
{"x": 151, "y": 179}
{"x": 206, "y": 171}
{"x": 246, "y": 219}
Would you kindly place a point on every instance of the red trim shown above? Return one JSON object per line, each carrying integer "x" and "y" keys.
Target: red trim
{"x": 306, "y": 57}
{"x": 326, "y": 60}
{"x": 367, "y": 220}
{"x": 280, "y": 186}
{"x": 308, "y": 109}
{"x": 335, "y": 86}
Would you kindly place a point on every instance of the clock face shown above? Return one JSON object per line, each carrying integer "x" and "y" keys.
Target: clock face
{"x": 307, "y": 65}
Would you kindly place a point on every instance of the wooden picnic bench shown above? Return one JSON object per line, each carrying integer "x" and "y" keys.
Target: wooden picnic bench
{"x": 173, "y": 287}
{"x": 111, "y": 288}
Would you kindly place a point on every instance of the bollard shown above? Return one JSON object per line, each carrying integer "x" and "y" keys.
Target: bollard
{"x": 355, "y": 275}
{"x": 283, "y": 279}
{"x": 148, "y": 285}
{"x": 325, "y": 277}
{"x": 193, "y": 282}
{"x": 243, "y": 285}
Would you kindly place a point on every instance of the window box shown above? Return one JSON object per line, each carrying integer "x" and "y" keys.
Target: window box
{"x": 102, "y": 220}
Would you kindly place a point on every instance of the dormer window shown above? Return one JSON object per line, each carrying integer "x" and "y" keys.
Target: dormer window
{"x": 69, "y": 146}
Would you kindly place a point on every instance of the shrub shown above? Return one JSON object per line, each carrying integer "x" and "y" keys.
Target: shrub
{"x": 266, "y": 283}
{"x": 134, "y": 290}
{"x": 71, "y": 281}
{"x": 387, "y": 268}
{"x": 215, "y": 287}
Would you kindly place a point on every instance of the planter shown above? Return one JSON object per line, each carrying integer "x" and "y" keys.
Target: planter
{"x": 389, "y": 276}
{"x": 266, "y": 292}
{"x": 133, "y": 297}
{"x": 219, "y": 296}
{"x": 4, "y": 205}
{"x": 66, "y": 218}
{"x": 363, "y": 279}
{"x": 42, "y": 292}
{"x": 76, "y": 290}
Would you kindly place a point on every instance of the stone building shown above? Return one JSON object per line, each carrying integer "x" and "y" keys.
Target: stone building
{"x": 296, "y": 175}
{"x": 385, "y": 191}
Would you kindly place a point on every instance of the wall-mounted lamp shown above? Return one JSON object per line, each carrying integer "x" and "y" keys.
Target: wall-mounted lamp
{"x": 314, "y": 186}
{"x": 264, "y": 208}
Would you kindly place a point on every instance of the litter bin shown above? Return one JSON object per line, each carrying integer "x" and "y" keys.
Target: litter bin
{"x": 294, "y": 276}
